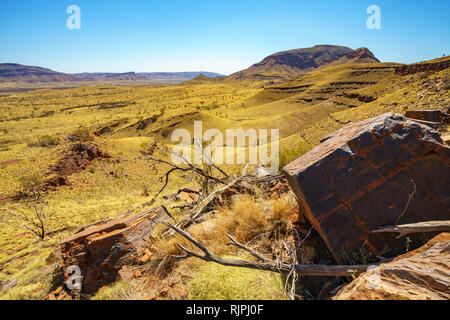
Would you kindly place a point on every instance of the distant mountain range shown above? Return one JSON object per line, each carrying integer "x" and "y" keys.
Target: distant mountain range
{"x": 155, "y": 76}
{"x": 11, "y": 72}
{"x": 281, "y": 66}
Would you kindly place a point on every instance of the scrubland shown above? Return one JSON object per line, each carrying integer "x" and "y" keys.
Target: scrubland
{"x": 125, "y": 121}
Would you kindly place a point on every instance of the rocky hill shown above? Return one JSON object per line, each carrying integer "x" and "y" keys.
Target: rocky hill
{"x": 288, "y": 64}
{"x": 361, "y": 55}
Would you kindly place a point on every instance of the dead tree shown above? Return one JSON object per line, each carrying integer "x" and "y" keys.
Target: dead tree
{"x": 264, "y": 263}
{"x": 204, "y": 175}
{"x": 37, "y": 221}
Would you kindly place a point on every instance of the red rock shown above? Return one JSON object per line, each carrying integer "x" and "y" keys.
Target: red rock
{"x": 145, "y": 257}
{"x": 428, "y": 115}
{"x": 51, "y": 296}
{"x": 57, "y": 181}
{"x": 422, "y": 67}
{"x": 361, "y": 178}
{"x": 102, "y": 249}
{"x": 124, "y": 273}
{"x": 188, "y": 194}
{"x": 423, "y": 274}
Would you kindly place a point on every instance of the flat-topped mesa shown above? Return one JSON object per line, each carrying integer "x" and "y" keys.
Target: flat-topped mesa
{"x": 102, "y": 249}
{"x": 382, "y": 171}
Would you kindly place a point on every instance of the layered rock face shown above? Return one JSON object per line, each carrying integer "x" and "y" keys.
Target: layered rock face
{"x": 422, "y": 67}
{"x": 423, "y": 274}
{"x": 429, "y": 115}
{"x": 102, "y": 249}
{"x": 387, "y": 170}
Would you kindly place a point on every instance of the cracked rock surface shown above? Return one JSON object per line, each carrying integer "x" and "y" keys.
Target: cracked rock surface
{"x": 382, "y": 171}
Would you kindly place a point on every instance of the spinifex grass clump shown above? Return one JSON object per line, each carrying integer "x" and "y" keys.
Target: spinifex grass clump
{"x": 216, "y": 282}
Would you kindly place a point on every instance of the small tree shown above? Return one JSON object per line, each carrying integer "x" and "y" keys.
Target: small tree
{"x": 35, "y": 220}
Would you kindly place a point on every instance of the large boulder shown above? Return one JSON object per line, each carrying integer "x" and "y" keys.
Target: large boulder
{"x": 102, "y": 249}
{"x": 423, "y": 274}
{"x": 383, "y": 171}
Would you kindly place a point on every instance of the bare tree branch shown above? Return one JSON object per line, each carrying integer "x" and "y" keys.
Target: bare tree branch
{"x": 243, "y": 247}
{"x": 190, "y": 167}
{"x": 430, "y": 226}
{"x": 35, "y": 222}
{"x": 268, "y": 265}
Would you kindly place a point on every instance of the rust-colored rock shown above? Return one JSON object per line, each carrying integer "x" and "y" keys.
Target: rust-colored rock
{"x": 57, "y": 181}
{"x": 188, "y": 194}
{"x": 102, "y": 249}
{"x": 423, "y": 274}
{"x": 78, "y": 158}
{"x": 422, "y": 67}
{"x": 124, "y": 273}
{"x": 429, "y": 116}
{"x": 386, "y": 170}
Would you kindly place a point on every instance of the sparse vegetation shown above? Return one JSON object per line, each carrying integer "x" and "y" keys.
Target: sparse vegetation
{"x": 287, "y": 155}
{"x": 33, "y": 136}
{"x": 45, "y": 141}
{"x": 215, "y": 282}
{"x": 121, "y": 290}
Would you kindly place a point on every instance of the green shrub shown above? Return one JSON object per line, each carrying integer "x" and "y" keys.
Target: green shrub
{"x": 79, "y": 135}
{"x": 31, "y": 182}
{"x": 45, "y": 141}
{"x": 165, "y": 132}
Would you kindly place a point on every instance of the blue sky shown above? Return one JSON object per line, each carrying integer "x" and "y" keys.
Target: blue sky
{"x": 213, "y": 35}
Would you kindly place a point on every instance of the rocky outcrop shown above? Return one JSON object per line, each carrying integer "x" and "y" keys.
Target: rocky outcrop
{"x": 361, "y": 55}
{"x": 74, "y": 160}
{"x": 429, "y": 116}
{"x": 383, "y": 171}
{"x": 361, "y": 98}
{"x": 78, "y": 158}
{"x": 102, "y": 249}
{"x": 423, "y": 274}
{"x": 422, "y": 67}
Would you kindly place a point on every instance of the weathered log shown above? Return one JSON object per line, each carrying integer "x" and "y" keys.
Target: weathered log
{"x": 404, "y": 229}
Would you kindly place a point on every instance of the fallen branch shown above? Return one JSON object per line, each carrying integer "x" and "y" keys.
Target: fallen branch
{"x": 266, "y": 264}
{"x": 404, "y": 229}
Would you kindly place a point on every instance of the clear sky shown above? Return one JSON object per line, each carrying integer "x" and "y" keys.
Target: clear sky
{"x": 212, "y": 35}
